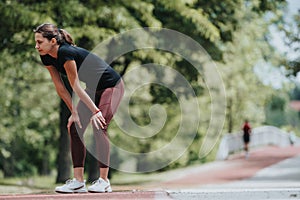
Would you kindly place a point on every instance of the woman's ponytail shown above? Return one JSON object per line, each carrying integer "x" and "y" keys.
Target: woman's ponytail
{"x": 65, "y": 36}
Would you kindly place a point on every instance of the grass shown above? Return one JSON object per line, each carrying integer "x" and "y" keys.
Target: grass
{"x": 24, "y": 185}
{"x": 46, "y": 184}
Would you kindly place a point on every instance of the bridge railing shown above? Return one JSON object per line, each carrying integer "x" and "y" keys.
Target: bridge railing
{"x": 261, "y": 136}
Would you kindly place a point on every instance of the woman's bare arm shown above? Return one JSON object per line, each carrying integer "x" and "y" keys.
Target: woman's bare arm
{"x": 71, "y": 70}
{"x": 60, "y": 87}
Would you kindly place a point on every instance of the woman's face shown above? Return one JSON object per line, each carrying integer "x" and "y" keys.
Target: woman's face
{"x": 43, "y": 45}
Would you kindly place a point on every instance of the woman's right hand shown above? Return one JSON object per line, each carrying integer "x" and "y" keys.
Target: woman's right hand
{"x": 74, "y": 118}
{"x": 98, "y": 120}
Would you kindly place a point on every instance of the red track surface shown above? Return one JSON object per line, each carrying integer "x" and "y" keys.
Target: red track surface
{"x": 235, "y": 168}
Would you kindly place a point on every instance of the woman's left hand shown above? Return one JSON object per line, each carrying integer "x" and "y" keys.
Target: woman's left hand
{"x": 98, "y": 119}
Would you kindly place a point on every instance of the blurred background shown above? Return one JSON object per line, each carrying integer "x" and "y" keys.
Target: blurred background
{"x": 254, "y": 44}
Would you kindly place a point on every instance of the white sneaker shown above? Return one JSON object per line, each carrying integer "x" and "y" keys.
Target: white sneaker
{"x": 100, "y": 185}
{"x": 72, "y": 186}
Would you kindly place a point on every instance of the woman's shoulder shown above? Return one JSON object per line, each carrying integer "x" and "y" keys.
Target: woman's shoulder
{"x": 67, "y": 48}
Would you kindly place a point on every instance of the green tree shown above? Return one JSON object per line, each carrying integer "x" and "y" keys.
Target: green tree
{"x": 292, "y": 32}
{"x": 23, "y": 123}
{"x": 276, "y": 111}
{"x": 250, "y": 50}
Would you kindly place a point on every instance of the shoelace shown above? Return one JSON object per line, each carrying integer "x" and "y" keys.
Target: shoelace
{"x": 96, "y": 181}
{"x": 70, "y": 181}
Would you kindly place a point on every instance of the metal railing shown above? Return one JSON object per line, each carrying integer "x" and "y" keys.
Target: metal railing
{"x": 261, "y": 136}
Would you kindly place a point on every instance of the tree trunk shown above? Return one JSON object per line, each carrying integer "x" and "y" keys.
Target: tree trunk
{"x": 64, "y": 157}
{"x": 230, "y": 116}
{"x": 93, "y": 168}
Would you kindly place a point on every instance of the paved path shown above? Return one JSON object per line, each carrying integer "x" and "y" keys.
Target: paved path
{"x": 269, "y": 173}
{"x": 278, "y": 181}
{"x": 233, "y": 169}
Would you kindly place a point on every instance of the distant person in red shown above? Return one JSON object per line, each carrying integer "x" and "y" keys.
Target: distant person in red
{"x": 246, "y": 136}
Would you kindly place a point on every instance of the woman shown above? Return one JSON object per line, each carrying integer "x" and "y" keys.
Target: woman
{"x": 98, "y": 102}
{"x": 246, "y": 136}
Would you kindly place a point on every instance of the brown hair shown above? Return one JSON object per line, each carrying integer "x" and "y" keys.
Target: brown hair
{"x": 50, "y": 31}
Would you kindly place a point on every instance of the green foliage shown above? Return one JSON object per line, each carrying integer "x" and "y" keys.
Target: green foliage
{"x": 292, "y": 31}
{"x": 276, "y": 111}
{"x": 27, "y": 129}
{"x": 295, "y": 93}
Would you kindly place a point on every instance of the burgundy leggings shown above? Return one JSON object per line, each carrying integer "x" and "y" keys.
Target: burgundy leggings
{"x": 108, "y": 101}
